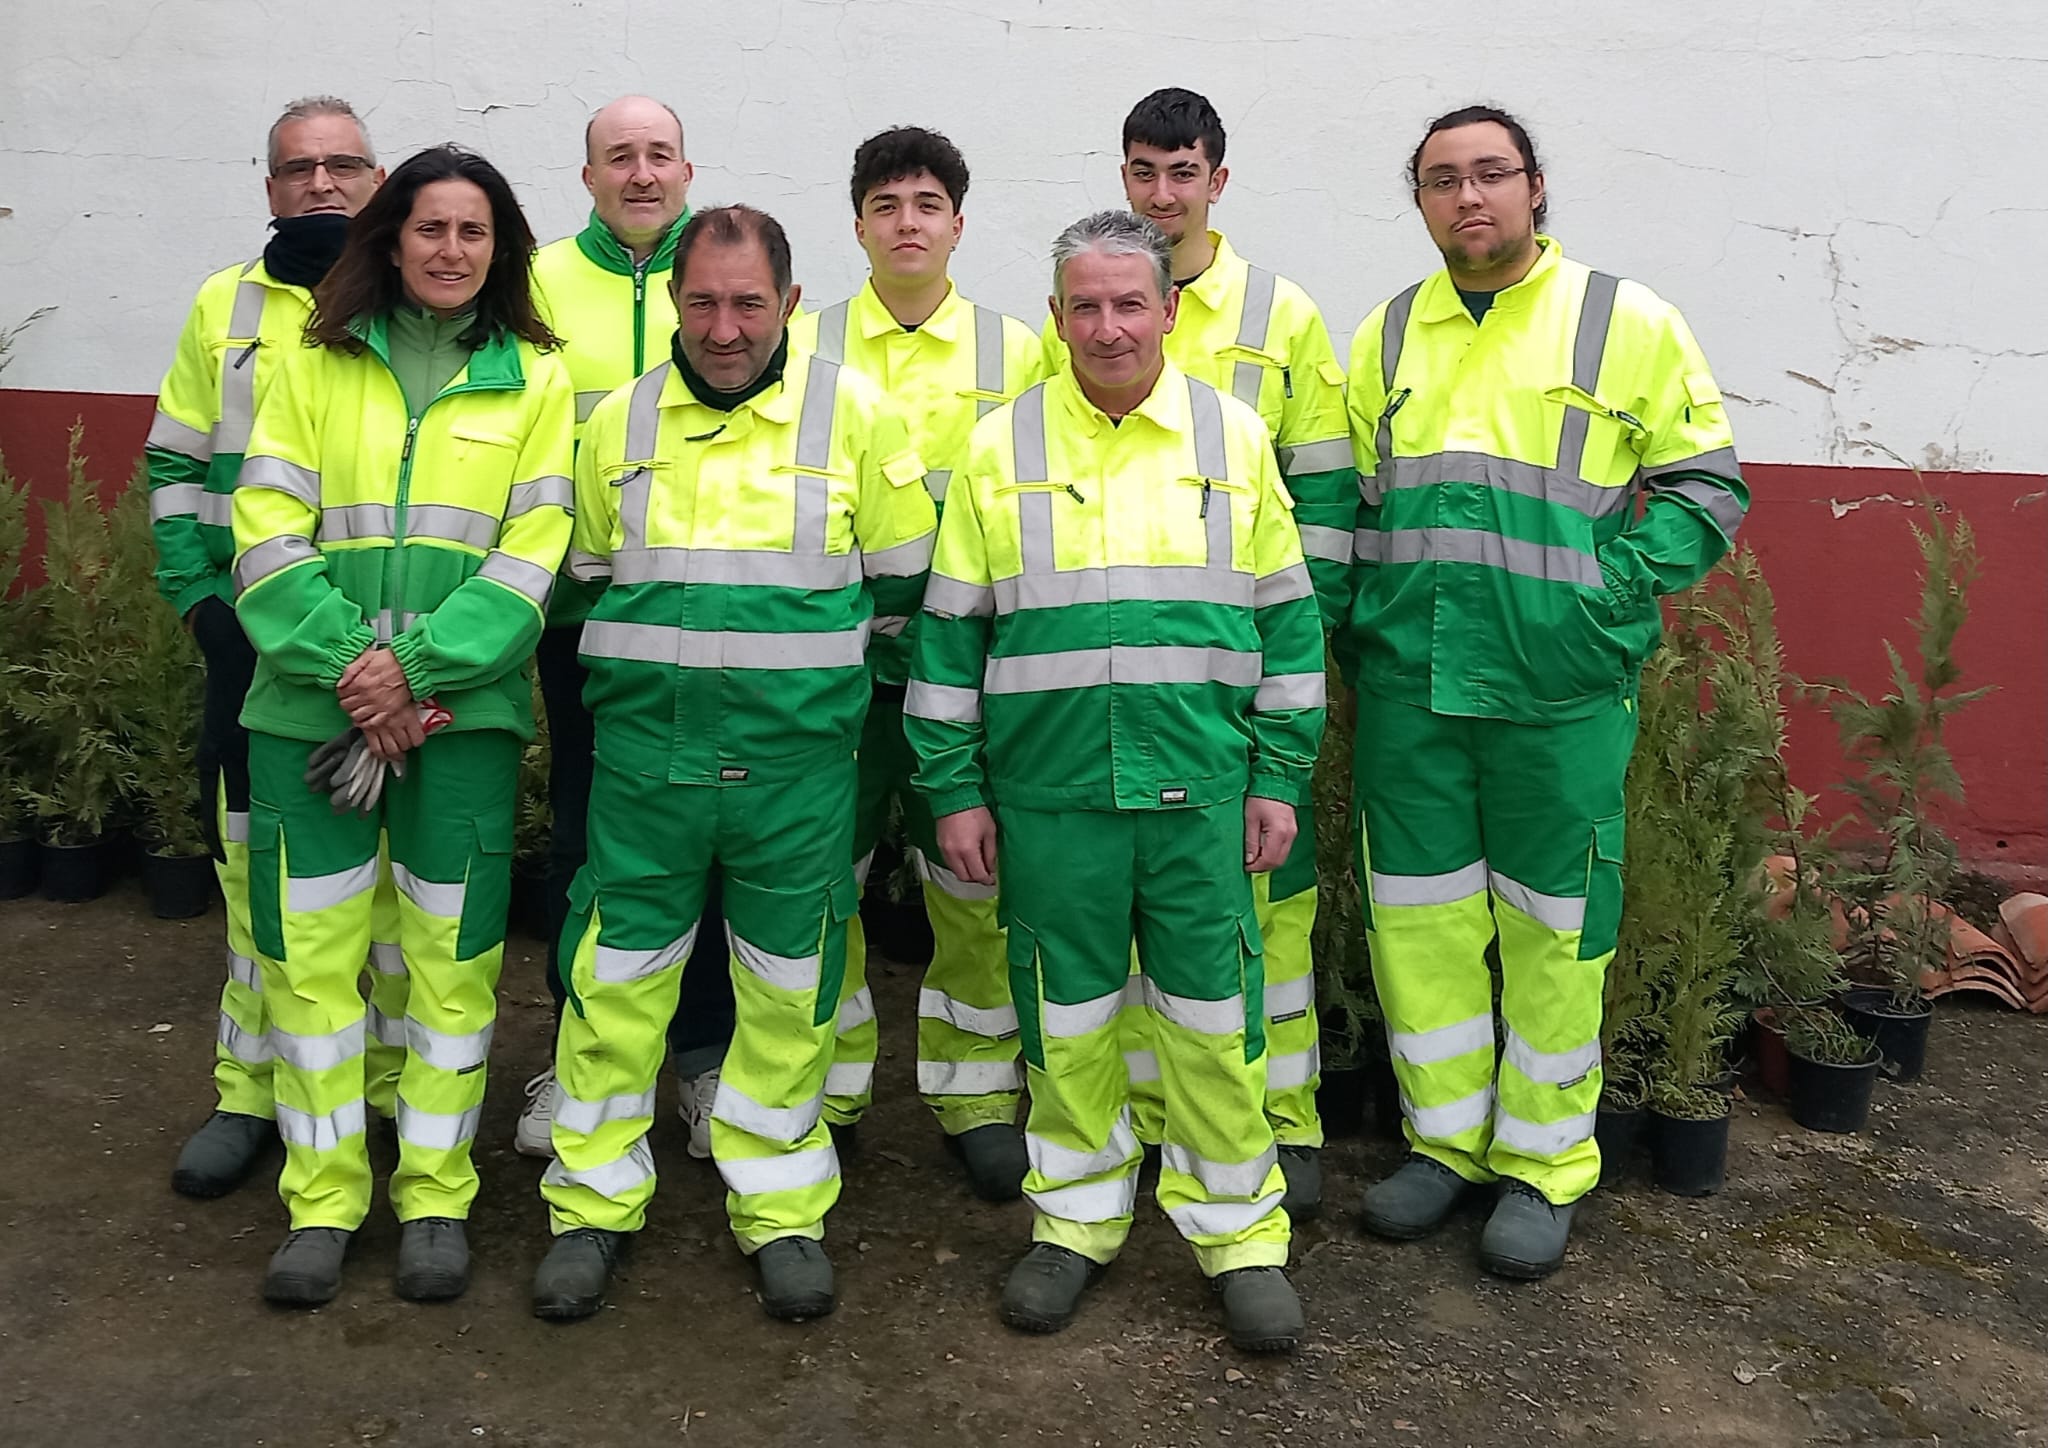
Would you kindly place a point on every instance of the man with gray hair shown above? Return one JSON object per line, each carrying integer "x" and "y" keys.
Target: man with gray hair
{"x": 1118, "y": 673}
{"x": 245, "y": 320}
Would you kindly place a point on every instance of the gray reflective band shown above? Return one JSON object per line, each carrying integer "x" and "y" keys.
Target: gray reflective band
{"x": 1034, "y": 533}
{"x": 1315, "y": 457}
{"x": 745, "y": 566}
{"x": 814, "y": 428}
{"x": 586, "y": 403}
{"x": 271, "y": 556}
{"x": 238, "y": 367}
{"x": 357, "y": 520}
{"x": 586, "y": 567}
{"x": 1721, "y": 505}
{"x": 522, "y": 577}
{"x": 988, "y": 358}
{"x": 942, "y": 701}
{"x": 447, "y": 522}
{"x": 1445, "y": 889}
{"x": 1120, "y": 664}
{"x": 1027, "y": 435}
{"x": 552, "y": 491}
{"x": 1332, "y": 545}
{"x": 832, "y": 332}
{"x": 1212, "y": 458}
{"x": 1290, "y": 691}
{"x": 217, "y": 509}
{"x": 962, "y": 600}
{"x": 905, "y": 560}
{"x": 1288, "y": 584}
{"x": 729, "y": 649}
{"x": 1253, "y": 322}
{"x": 171, "y": 435}
{"x": 174, "y": 500}
{"x": 1394, "y": 335}
{"x": 1069, "y": 587}
{"x": 1596, "y": 312}
{"x": 643, "y": 429}
{"x": 937, "y": 481}
{"x": 1475, "y": 546}
{"x": 1562, "y": 486}
{"x": 280, "y": 476}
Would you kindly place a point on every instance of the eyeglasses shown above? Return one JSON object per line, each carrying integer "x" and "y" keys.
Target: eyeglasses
{"x": 1491, "y": 179}
{"x": 339, "y": 168}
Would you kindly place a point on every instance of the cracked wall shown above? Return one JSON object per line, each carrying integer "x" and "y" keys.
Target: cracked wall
{"x": 1836, "y": 199}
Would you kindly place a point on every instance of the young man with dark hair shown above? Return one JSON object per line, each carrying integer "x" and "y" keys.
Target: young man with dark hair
{"x": 943, "y": 362}
{"x": 1257, "y": 336}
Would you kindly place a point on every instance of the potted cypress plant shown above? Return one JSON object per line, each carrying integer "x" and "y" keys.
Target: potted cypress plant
{"x": 1830, "y": 1071}
{"x": 20, "y": 741}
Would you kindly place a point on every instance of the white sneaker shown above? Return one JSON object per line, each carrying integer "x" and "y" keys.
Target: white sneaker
{"x": 532, "y": 1138}
{"x": 695, "y": 1096}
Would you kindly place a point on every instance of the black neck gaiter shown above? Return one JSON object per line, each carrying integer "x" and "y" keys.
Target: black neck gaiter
{"x": 710, "y": 396}
{"x": 305, "y": 247}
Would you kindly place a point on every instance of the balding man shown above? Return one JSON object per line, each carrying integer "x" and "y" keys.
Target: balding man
{"x": 607, "y": 293}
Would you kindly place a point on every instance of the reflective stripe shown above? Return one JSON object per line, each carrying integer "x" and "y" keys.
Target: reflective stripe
{"x": 171, "y": 435}
{"x": 1542, "y": 1139}
{"x": 849, "y": 1079}
{"x": 1445, "y": 889}
{"x": 936, "y": 481}
{"x": 1223, "y": 1219}
{"x": 586, "y": 403}
{"x": 217, "y": 509}
{"x": 1060, "y": 1163}
{"x": 251, "y": 1048}
{"x": 552, "y": 491}
{"x": 752, "y": 1176}
{"x": 1212, "y": 458}
{"x": 1288, "y": 584}
{"x": 1561, "y": 913}
{"x": 280, "y": 476}
{"x": 996, "y": 1022}
{"x": 1100, "y": 1201}
{"x": 384, "y": 1029}
{"x": 1211, "y": 1018}
{"x": 444, "y": 1052}
{"x": 1221, "y": 1178}
{"x": 245, "y": 973}
{"x": 832, "y": 332}
{"x": 386, "y": 958}
{"x": 888, "y": 625}
{"x": 786, "y": 1124}
{"x": 1551, "y": 1068}
{"x": 1296, "y": 1069}
{"x": 447, "y": 522}
{"x": 435, "y": 1130}
{"x": 961, "y": 600}
{"x": 238, "y": 367}
{"x": 969, "y": 1078}
{"x": 1144, "y": 1066}
{"x": 587, "y": 567}
{"x": 319, "y": 1053}
{"x": 856, "y": 1010}
{"x": 707, "y": 649}
{"x": 1069, "y": 587}
{"x": 1027, "y": 435}
{"x": 174, "y": 500}
{"x": 1253, "y": 322}
{"x": 529, "y": 580}
{"x": 934, "y": 873}
{"x": 357, "y": 521}
{"x": 1484, "y": 549}
{"x": 1562, "y": 486}
{"x": 1290, "y": 691}
{"x": 1393, "y": 337}
{"x": 585, "y": 1117}
{"x": 814, "y": 440}
{"x": 1289, "y": 997}
{"x": 615, "y": 966}
{"x": 1315, "y": 457}
{"x": 1444, "y": 1043}
{"x": 1596, "y": 312}
{"x": 1064, "y": 1022}
{"x": 441, "y": 900}
{"x": 742, "y": 566}
{"x": 1440, "y": 1123}
{"x": 1720, "y": 504}
{"x": 320, "y": 1133}
{"x": 608, "y": 1179}
{"x": 643, "y": 431}
{"x": 988, "y": 359}
{"x": 272, "y": 555}
{"x": 784, "y": 972}
{"x": 237, "y": 827}
{"x": 905, "y": 560}
{"x": 1330, "y": 544}
{"x": 947, "y": 702}
{"x": 861, "y": 867}
{"x": 324, "y": 892}
{"x": 1120, "y": 664}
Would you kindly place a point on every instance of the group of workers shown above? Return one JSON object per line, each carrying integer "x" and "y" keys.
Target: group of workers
{"x": 1058, "y": 602}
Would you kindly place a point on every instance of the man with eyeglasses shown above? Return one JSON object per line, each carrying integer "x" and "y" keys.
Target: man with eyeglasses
{"x": 247, "y": 316}
{"x": 1542, "y": 453}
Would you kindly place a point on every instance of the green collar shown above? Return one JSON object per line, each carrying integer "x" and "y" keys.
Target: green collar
{"x": 493, "y": 365}
{"x": 604, "y": 250}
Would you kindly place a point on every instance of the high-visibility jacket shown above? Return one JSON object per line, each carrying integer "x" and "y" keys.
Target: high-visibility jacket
{"x": 748, "y": 557}
{"x": 358, "y": 521}
{"x": 1119, "y": 616}
{"x": 235, "y": 339}
{"x": 614, "y": 315}
{"x": 1256, "y": 335}
{"x": 1530, "y": 483}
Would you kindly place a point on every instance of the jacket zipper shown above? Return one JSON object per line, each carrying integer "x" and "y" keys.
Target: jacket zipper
{"x": 640, "y": 316}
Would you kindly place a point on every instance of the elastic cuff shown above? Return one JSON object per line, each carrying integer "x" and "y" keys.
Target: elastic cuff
{"x": 406, "y": 648}
{"x": 347, "y": 651}
{"x": 953, "y": 801}
{"x": 1280, "y": 788}
{"x": 195, "y": 593}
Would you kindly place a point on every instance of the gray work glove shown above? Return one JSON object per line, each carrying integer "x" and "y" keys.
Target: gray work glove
{"x": 346, "y": 769}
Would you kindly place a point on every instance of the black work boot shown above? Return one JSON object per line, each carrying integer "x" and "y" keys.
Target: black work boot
{"x": 995, "y": 1159}
{"x": 433, "y": 1259}
{"x": 1260, "y": 1311}
{"x": 1525, "y": 1237}
{"x": 796, "y": 1279}
{"x": 1303, "y": 1168}
{"x": 1045, "y": 1287}
{"x": 1414, "y": 1201}
{"x": 219, "y": 1156}
{"x": 571, "y": 1279}
{"x": 306, "y": 1270}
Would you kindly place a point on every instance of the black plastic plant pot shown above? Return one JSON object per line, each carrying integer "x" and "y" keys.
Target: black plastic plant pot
{"x": 180, "y": 886}
{"x": 20, "y": 864}
{"x": 1689, "y": 1158}
{"x": 1621, "y": 1132}
{"x": 1825, "y": 1097}
{"x": 897, "y": 930}
{"x": 1899, "y": 1035}
{"x": 1340, "y": 1100}
{"x": 73, "y": 873}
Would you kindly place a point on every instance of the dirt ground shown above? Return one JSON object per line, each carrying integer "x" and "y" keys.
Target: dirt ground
{"x": 1885, "y": 1288}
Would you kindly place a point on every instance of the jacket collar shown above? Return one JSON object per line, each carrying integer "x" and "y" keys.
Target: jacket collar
{"x": 774, "y": 405}
{"x": 1440, "y": 300}
{"x": 606, "y": 252}
{"x": 494, "y": 365}
{"x": 876, "y": 320}
{"x": 1223, "y": 278}
{"x": 1165, "y": 406}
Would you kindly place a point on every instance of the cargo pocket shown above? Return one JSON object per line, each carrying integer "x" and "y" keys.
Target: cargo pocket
{"x": 1251, "y": 977}
{"x": 842, "y": 903}
{"x": 266, "y": 880}
{"x": 487, "y": 890}
{"x": 1026, "y": 991}
{"x": 1603, "y": 890}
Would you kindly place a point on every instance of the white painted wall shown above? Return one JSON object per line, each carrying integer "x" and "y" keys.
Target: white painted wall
{"x": 1845, "y": 199}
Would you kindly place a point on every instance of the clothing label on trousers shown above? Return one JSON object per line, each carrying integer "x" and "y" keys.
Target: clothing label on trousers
{"x": 731, "y": 776}
{"x": 1173, "y": 796}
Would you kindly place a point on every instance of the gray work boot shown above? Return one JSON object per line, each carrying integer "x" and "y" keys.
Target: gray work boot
{"x": 1303, "y": 1168}
{"x": 306, "y": 1270}
{"x": 571, "y": 1279}
{"x": 433, "y": 1259}
{"x": 1525, "y": 1236}
{"x": 1045, "y": 1287}
{"x": 1260, "y": 1311}
{"x": 219, "y": 1156}
{"x": 1413, "y": 1202}
{"x": 995, "y": 1159}
{"x": 796, "y": 1279}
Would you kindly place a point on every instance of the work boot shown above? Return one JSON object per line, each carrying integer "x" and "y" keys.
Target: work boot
{"x": 1260, "y": 1311}
{"x": 306, "y": 1270}
{"x": 1413, "y": 1202}
{"x": 534, "y": 1135}
{"x": 1525, "y": 1236}
{"x": 796, "y": 1279}
{"x": 695, "y": 1096}
{"x": 1045, "y": 1287}
{"x": 571, "y": 1279}
{"x": 219, "y": 1156}
{"x": 433, "y": 1259}
{"x": 1303, "y": 1168}
{"x": 845, "y": 1140}
{"x": 995, "y": 1159}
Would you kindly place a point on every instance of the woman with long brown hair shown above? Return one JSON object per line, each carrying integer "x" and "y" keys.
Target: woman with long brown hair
{"x": 398, "y": 524}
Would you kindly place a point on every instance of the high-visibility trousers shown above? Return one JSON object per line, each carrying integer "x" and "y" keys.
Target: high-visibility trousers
{"x": 1286, "y": 903}
{"x": 1472, "y": 829}
{"x": 312, "y": 886}
{"x": 1078, "y": 886}
{"x": 967, "y": 1066}
{"x": 783, "y": 850}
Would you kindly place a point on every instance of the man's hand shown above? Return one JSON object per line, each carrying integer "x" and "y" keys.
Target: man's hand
{"x": 373, "y": 690}
{"x": 390, "y": 739}
{"x": 1269, "y": 831}
{"x": 968, "y": 841}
